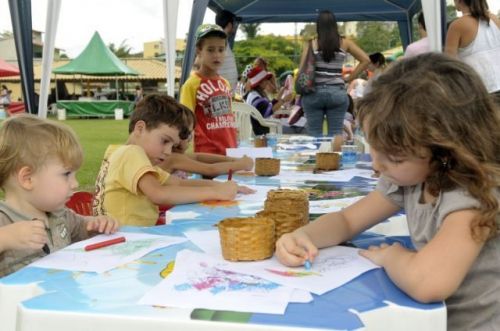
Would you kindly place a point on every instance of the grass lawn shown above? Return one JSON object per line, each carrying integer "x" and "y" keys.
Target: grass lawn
{"x": 95, "y": 135}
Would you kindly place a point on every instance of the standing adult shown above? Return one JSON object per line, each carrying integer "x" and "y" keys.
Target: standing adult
{"x": 330, "y": 96}
{"x": 422, "y": 45}
{"x": 475, "y": 39}
{"x": 226, "y": 20}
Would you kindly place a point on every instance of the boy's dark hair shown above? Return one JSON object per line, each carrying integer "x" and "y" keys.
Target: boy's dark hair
{"x": 224, "y": 17}
{"x": 156, "y": 109}
{"x": 421, "y": 20}
{"x": 377, "y": 58}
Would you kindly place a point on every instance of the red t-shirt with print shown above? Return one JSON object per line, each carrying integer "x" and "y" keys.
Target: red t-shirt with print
{"x": 210, "y": 99}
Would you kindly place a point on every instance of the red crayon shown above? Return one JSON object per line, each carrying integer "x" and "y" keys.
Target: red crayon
{"x": 230, "y": 174}
{"x": 105, "y": 243}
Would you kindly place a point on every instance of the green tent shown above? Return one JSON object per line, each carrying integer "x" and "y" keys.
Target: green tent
{"x": 96, "y": 60}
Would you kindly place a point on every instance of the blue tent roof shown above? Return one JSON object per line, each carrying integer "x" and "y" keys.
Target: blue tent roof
{"x": 280, "y": 11}
{"x": 307, "y": 10}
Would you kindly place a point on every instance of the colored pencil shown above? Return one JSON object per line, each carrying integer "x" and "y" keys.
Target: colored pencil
{"x": 105, "y": 243}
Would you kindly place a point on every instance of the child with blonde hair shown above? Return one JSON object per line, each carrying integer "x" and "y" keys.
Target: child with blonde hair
{"x": 434, "y": 134}
{"x": 38, "y": 163}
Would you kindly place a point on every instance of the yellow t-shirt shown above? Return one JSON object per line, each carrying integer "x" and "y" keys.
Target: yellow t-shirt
{"x": 117, "y": 191}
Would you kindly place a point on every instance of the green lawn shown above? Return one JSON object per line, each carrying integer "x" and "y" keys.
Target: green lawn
{"x": 95, "y": 135}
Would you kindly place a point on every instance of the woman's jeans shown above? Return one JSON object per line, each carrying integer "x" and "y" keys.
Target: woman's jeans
{"x": 328, "y": 101}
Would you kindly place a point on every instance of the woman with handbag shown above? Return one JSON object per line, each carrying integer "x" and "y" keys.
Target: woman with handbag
{"x": 328, "y": 97}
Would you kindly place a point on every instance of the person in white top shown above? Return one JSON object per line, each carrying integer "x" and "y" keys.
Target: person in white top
{"x": 226, "y": 20}
{"x": 475, "y": 39}
{"x": 422, "y": 45}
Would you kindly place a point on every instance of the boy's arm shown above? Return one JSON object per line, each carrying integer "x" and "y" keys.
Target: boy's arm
{"x": 179, "y": 194}
{"x": 437, "y": 270}
{"x": 188, "y": 94}
{"x": 214, "y": 168}
{"x": 22, "y": 235}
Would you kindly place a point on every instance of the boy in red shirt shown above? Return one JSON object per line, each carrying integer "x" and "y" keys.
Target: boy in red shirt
{"x": 208, "y": 94}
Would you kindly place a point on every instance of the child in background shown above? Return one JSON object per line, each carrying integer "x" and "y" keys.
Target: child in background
{"x": 433, "y": 132}
{"x": 38, "y": 161}
{"x": 260, "y": 85}
{"x": 130, "y": 184}
{"x": 208, "y": 95}
{"x": 180, "y": 163}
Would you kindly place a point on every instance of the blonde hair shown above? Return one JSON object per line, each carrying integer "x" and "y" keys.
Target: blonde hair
{"x": 438, "y": 103}
{"x": 26, "y": 140}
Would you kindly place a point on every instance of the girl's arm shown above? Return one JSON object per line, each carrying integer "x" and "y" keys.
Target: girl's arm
{"x": 437, "y": 270}
{"x": 453, "y": 38}
{"x": 360, "y": 55}
{"x": 294, "y": 248}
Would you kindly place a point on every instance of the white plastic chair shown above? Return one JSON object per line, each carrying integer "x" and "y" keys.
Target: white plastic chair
{"x": 244, "y": 112}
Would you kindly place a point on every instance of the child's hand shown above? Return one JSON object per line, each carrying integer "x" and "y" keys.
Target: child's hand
{"x": 293, "y": 249}
{"x": 380, "y": 254}
{"x": 226, "y": 190}
{"x": 245, "y": 189}
{"x": 24, "y": 235}
{"x": 247, "y": 163}
{"x": 102, "y": 224}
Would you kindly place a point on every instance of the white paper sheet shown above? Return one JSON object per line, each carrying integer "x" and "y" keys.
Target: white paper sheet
{"x": 328, "y": 206}
{"x": 198, "y": 282}
{"x": 334, "y": 266}
{"x": 260, "y": 194}
{"x": 253, "y": 152}
{"x": 75, "y": 258}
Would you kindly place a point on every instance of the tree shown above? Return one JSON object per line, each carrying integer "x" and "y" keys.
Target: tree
{"x": 279, "y": 52}
{"x": 122, "y": 51}
{"x": 377, "y": 36}
{"x": 250, "y": 29}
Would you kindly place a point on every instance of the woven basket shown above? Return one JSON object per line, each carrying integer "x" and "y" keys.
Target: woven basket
{"x": 265, "y": 166}
{"x": 247, "y": 239}
{"x": 260, "y": 141}
{"x": 288, "y": 201}
{"x": 327, "y": 161}
{"x": 284, "y": 222}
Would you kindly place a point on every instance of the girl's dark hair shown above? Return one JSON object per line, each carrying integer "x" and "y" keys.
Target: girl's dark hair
{"x": 478, "y": 9}
{"x": 437, "y": 103}
{"x": 328, "y": 35}
{"x": 156, "y": 109}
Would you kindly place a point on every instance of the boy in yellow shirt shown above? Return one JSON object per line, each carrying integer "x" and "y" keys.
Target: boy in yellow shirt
{"x": 131, "y": 185}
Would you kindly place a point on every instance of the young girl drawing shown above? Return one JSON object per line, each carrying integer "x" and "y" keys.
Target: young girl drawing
{"x": 433, "y": 132}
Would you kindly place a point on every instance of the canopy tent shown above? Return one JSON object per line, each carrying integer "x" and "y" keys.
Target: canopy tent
{"x": 280, "y": 11}
{"x": 96, "y": 60}
{"x": 7, "y": 69}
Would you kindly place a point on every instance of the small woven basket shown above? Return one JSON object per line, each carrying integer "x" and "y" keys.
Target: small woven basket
{"x": 288, "y": 201}
{"x": 265, "y": 166}
{"x": 327, "y": 161}
{"x": 284, "y": 222}
{"x": 260, "y": 141}
{"x": 247, "y": 239}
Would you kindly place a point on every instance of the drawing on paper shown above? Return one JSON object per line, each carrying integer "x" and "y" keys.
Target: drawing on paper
{"x": 120, "y": 250}
{"x": 320, "y": 266}
{"x": 292, "y": 273}
{"x": 216, "y": 281}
